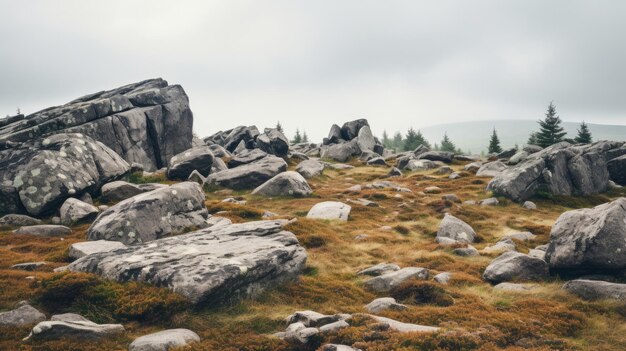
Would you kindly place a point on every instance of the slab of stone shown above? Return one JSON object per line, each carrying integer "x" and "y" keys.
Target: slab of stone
{"x": 330, "y": 210}
{"x": 164, "y": 340}
{"x": 45, "y": 230}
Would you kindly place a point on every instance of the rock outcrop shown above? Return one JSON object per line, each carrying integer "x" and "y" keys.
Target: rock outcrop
{"x": 249, "y": 175}
{"x": 164, "y": 340}
{"x": 211, "y": 265}
{"x": 73, "y": 326}
{"x": 515, "y": 266}
{"x": 596, "y": 289}
{"x": 152, "y": 215}
{"x": 591, "y": 240}
{"x": 561, "y": 169}
{"x": 146, "y": 122}
{"x": 284, "y": 184}
{"x": 75, "y": 211}
{"x": 199, "y": 158}
{"x": 37, "y": 176}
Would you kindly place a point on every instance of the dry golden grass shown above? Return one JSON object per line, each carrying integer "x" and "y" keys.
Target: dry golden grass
{"x": 401, "y": 230}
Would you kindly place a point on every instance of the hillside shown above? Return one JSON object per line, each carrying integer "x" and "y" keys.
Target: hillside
{"x": 474, "y": 136}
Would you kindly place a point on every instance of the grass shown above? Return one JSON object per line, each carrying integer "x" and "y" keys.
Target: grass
{"x": 472, "y": 315}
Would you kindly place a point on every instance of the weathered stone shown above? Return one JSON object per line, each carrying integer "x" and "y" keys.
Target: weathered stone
{"x": 529, "y": 205}
{"x": 337, "y": 347}
{"x": 246, "y": 157}
{"x": 76, "y": 329}
{"x": 273, "y": 142}
{"x": 251, "y": 175}
{"x": 44, "y": 230}
{"x": 330, "y": 210}
{"x": 75, "y": 211}
{"x": 28, "y": 266}
{"x": 516, "y": 287}
{"x": 219, "y": 151}
{"x": 239, "y": 135}
{"x": 78, "y": 250}
{"x": 394, "y": 172}
{"x": 212, "y": 265}
{"x": 451, "y": 198}
{"x": 404, "y": 327}
{"x": 596, "y": 289}
{"x": 164, "y": 340}
{"x": 350, "y": 130}
{"x": 491, "y": 169}
{"x": 503, "y": 245}
{"x": 473, "y": 167}
{"x": 120, "y": 190}
{"x": 455, "y": 229}
{"x": 492, "y": 201}
{"x": 515, "y": 266}
{"x": 198, "y": 159}
{"x": 17, "y": 220}
{"x": 341, "y": 152}
{"x": 420, "y": 165}
{"x": 146, "y": 122}
{"x": 521, "y": 236}
{"x": 589, "y": 240}
{"x": 518, "y": 157}
{"x": 152, "y": 215}
{"x": 312, "y": 319}
{"x": 196, "y": 177}
{"x": 384, "y": 303}
{"x": 388, "y": 281}
{"x": 444, "y": 156}
{"x": 331, "y": 327}
{"x": 466, "y": 251}
{"x": 284, "y": 184}
{"x": 23, "y": 315}
{"x": 617, "y": 170}
{"x": 432, "y": 190}
{"x": 334, "y": 135}
{"x": 376, "y": 161}
{"x": 380, "y": 269}
{"x": 310, "y": 168}
{"x": 507, "y": 153}
{"x": 39, "y": 175}
{"x": 365, "y": 140}
{"x": 443, "y": 278}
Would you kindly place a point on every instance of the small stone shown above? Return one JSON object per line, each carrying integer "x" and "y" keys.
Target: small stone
{"x": 529, "y": 205}
{"x": 384, "y": 303}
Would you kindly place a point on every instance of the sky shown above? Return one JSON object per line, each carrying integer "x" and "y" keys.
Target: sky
{"x": 309, "y": 64}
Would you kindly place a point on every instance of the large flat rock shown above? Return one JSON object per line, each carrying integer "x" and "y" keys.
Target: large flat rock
{"x": 210, "y": 265}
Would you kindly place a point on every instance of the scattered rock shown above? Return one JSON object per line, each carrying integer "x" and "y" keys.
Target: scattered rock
{"x": 212, "y": 265}
{"x": 529, "y": 205}
{"x": 473, "y": 167}
{"x": 388, "y": 281}
{"x": 78, "y": 250}
{"x": 522, "y": 236}
{"x": 377, "y": 161}
{"x": 444, "y": 156}
{"x": 515, "y": 266}
{"x": 432, "y": 190}
{"x": 516, "y": 287}
{"x": 251, "y": 175}
{"x": 23, "y": 315}
{"x": 273, "y": 142}
{"x": 198, "y": 159}
{"x": 337, "y": 347}
{"x": 152, "y": 215}
{"x": 466, "y": 251}
{"x": 164, "y": 340}
{"x": 380, "y": 269}
{"x": 384, "y": 303}
{"x": 503, "y": 245}
{"x": 44, "y": 230}
{"x": 17, "y": 220}
{"x": 76, "y": 329}
{"x": 330, "y": 210}
{"x": 310, "y": 168}
{"x": 28, "y": 266}
{"x": 331, "y": 327}
{"x": 489, "y": 202}
{"x": 284, "y": 184}
{"x": 404, "y": 327}
{"x": 591, "y": 240}
{"x": 491, "y": 169}
{"x": 394, "y": 172}
{"x": 120, "y": 190}
{"x": 455, "y": 229}
{"x": 75, "y": 211}
{"x": 596, "y": 289}
{"x": 443, "y": 278}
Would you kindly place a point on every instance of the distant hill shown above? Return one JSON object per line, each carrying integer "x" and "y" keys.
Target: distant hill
{"x": 474, "y": 136}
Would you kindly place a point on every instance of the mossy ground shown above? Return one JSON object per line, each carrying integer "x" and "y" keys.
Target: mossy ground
{"x": 473, "y": 316}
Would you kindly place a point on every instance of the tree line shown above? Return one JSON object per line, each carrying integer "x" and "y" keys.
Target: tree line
{"x": 550, "y": 132}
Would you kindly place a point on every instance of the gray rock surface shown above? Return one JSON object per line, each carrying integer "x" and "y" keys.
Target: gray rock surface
{"x": 341, "y": 152}
{"x": 38, "y": 175}
{"x": 146, "y": 122}
{"x": 444, "y": 156}
{"x": 74, "y": 211}
{"x": 596, "y": 289}
{"x": 28, "y": 266}
{"x": 515, "y": 266}
{"x": 466, "y": 251}
{"x": 74, "y": 328}
{"x": 404, "y": 327}
{"x": 212, "y": 265}
{"x": 455, "y": 229}
{"x": 44, "y": 230}
{"x": 338, "y": 347}
{"x": 491, "y": 169}
{"x": 388, "y": 281}
{"x": 17, "y": 220}
{"x": 330, "y": 210}
{"x": 78, "y": 250}
{"x": 273, "y": 142}
{"x": 384, "y": 303}
{"x": 152, "y": 215}
{"x": 561, "y": 169}
{"x": 591, "y": 240}
{"x": 529, "y": 205}
{"x": 21, "y": 316}
{"x": 365, "y": 140}
{"x": 199, "y": 158}
{"x": 288, "y": 183}
{"x": 251, "y": 175}
{"x": 120, "y": 190}
{"x": 617, "y": 170}
{"x": 350, "y": 130}
{"x": 164, "y": 340}
{"x": 310, "y": 168}
{"x": 379, "y": 269}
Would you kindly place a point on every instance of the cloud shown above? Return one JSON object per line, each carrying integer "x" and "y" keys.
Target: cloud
{"x": 313, "y": 63}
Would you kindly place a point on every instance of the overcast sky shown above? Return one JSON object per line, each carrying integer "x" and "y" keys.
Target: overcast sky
{"x": 313, "y": 63}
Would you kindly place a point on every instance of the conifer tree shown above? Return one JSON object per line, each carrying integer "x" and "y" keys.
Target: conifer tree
{"x": 447, "y": 144}
{"x": 550, "y": 131}
{"x": 397, "y": 141}
{"x": 584, "y": 135}
{"x": 305, "y": 138}
{"x": 494, "y": 143}
{"x": 410, "y": 142}
{"x": 386, "y": 140}
{"x": 297, "y": 139}
{"x": 279, "y": 127}
{"x": 532, "y": 139}
{"x": 421, "y": 140}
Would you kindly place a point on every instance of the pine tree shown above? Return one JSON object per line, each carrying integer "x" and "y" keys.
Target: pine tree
{"x": 550, "y": 131}
{"x": 410, "y": 142}
{"x": 297, "y": 139}
{"x": 447, "y": 144}
{"x": 494, "y": 143}
{"x": 421, "y": 140}
{"x": 305, "y": 138}
{"x": 279, "y": 127}
{"x": 584, "y": 135}
{"x": 532, "y": 139}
